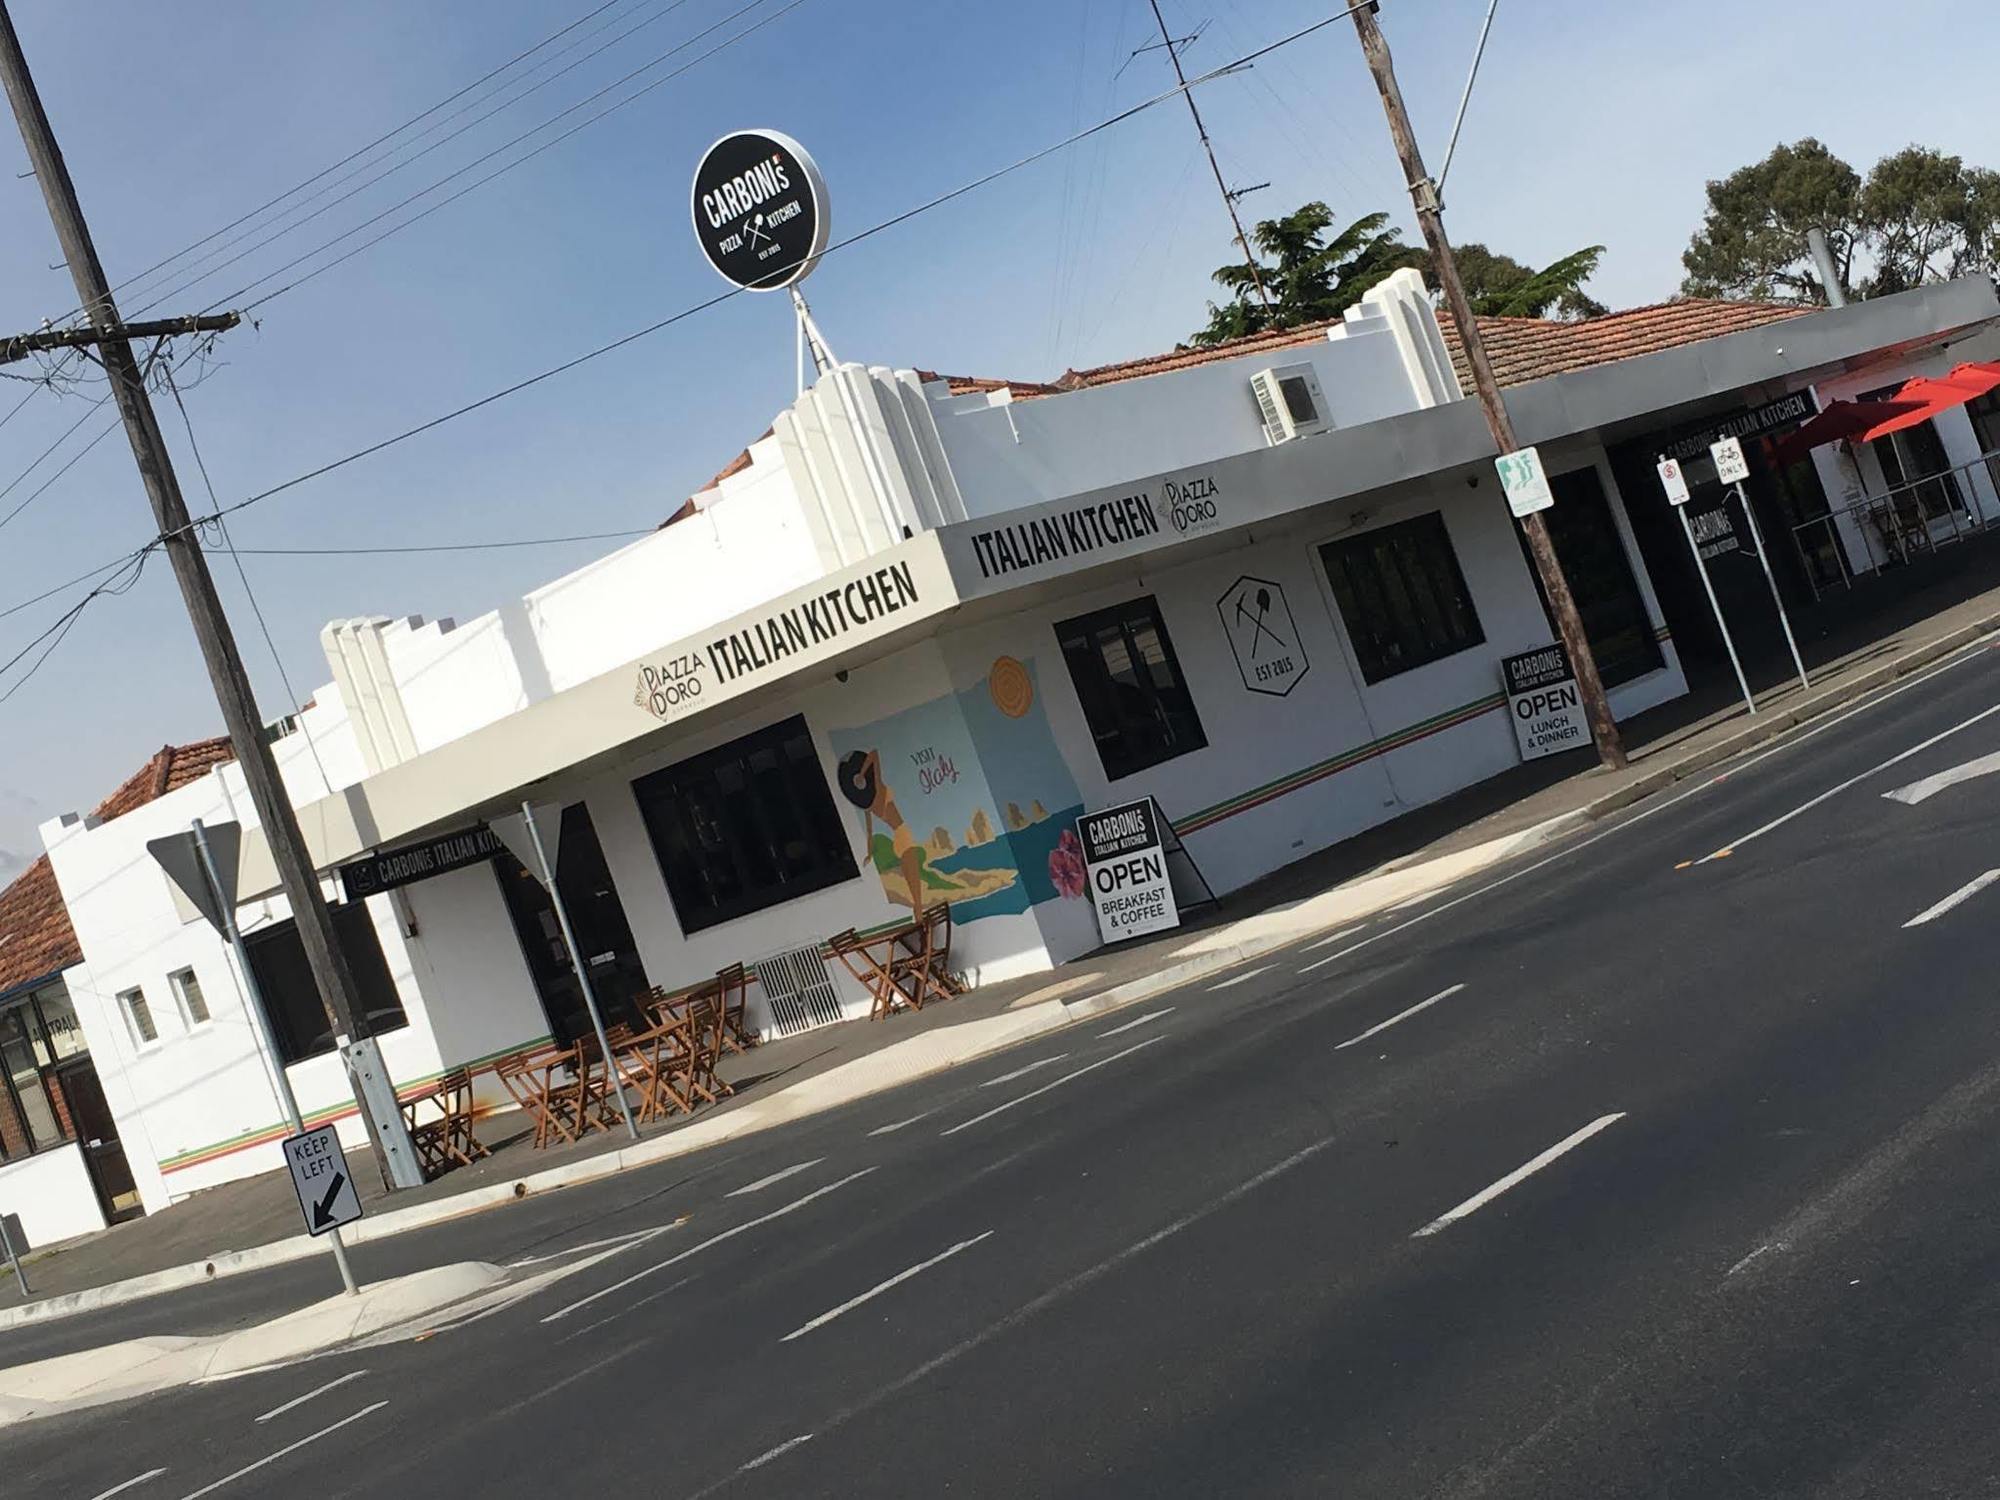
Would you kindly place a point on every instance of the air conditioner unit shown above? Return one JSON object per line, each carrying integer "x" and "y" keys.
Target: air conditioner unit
{"x": 1290, "y": 402}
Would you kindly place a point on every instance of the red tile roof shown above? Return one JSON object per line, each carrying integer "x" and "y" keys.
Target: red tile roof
{"x": 1522, "y": 349}
{"x": 36, "y": 938}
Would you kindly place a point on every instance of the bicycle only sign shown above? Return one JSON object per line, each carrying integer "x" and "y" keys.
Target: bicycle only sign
{"x": 321, "y": 1179}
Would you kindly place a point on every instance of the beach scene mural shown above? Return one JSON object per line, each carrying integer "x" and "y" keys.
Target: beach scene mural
{"x": 966, "y": 800}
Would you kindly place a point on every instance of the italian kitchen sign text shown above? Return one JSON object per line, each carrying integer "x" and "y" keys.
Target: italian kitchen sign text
{"x": 675, "y": 683}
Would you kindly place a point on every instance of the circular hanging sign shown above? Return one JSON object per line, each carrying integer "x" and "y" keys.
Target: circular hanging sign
{"x": 760, "y": 209}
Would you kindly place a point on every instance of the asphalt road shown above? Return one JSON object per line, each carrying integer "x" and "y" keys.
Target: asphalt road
{"x": 1665, "y": 1164}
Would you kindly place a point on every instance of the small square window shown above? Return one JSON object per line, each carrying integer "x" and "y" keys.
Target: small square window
{"x": 1129, "y": 683}
{"x": 138, "y": 1018}
{"x": 188, "y": 996}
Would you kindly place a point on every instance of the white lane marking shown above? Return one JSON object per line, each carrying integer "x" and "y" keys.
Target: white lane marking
{"x": 1733, "y": 845}
{"x": 119, "y": 1489}
{"x": 569, "y": 1250}
{"x": 279, "y": 1411}
{"x": 877, "y": 1290}
{"x": 1957, "y": 898}
{"x": 625, "y": 1311}
{"x": 900, "y": 1124}
{"x": 1519, "y": 1175}
{"x": 1760, "y": 1250}
{"x": 1329, "y": 941}
{"x": 1135, "y": 1025}
{"x": 1401, "y": 1016}
{"x": 1968, "y": 652}
{"x": 1062, "y": 1290}
{"x": 1001, "y": 1109}
{"x": 779, "y": 1176}
{"x": 1930, "y": 786}
{"x": 714, "y": 1239}
{"x": 271, "y": 1458}
{"x": 785, "y": 1447}
{"x": 1040, "y": 1062}
{"x": 1230, "y": 984}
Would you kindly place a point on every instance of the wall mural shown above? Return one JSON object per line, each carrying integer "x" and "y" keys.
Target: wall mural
{"x": 956, "y": 794}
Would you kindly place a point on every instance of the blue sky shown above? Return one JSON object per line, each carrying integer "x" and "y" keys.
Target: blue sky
{"x": 1592, "y": 123}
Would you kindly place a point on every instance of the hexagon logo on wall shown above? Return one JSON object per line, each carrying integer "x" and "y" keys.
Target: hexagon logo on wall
{"x": 1263, "y": 636}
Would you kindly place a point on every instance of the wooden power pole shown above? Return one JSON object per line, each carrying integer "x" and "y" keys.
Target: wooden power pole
{"x": 177, "y": 537}
{"x": 1430, "y": 218}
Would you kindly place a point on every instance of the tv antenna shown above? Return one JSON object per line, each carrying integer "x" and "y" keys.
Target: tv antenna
{"x": 1172, "y": 45}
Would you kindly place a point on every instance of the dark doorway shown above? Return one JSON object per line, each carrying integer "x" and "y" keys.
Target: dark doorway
{"x": 602, "y": 933}
{"x": 1593, "y": 559}
{"x": 97, "y": 1134}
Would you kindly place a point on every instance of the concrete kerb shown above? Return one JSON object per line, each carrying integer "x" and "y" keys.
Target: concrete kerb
{"x": 952, "y": 1046}
{"x": 137, "y": 1367}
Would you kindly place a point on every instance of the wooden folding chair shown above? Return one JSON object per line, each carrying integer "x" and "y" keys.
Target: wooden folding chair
{"x": 696, "y": 1065}
{"x": 734, "y": 985}
{"x": 446, "y": 1141}
{"x": 861, "y": 958}
{"x": 529, "y": 1077}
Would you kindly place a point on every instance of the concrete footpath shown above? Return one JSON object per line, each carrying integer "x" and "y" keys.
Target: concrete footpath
{"x": 1402, "y": 862}
{"x": 138, "y": 1367}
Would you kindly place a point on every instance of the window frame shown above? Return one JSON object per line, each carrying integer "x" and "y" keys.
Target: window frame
{"x": 1371, "y": 661}
{"x": 682, "y": 804}
{"x": 140, "y": 1042}
{"x": 28, "y": 1004}
{"x": 279, "y": 1003}
{"x": 177, "y": 984}
{"x": 1086, "y": 631}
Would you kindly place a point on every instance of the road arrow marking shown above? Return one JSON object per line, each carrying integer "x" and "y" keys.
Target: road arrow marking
{"x": 1930, "y": 786}
{"x": 323, "y": 1210}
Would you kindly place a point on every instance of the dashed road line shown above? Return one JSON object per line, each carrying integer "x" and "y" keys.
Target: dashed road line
{"x": 779, "y": 1176}
{"x": 1519, "y": 1175}
{"x": 1145, "y": 1020}
{"x": 1001, "y": 1109}
{"x": 1040, "y": 1062}
{"x": 785, "y": 1447}
{"x": 1230, "y": 984}
{"x": 271, "y": 1458}
{"x": 879, "y": 1288}
{"x": 901, "y": 1124}
{"x": 279, "y": 1411}
{"x": 1401, "y": 1016}
{"x": 119, "y": 1489}
{"x": 1957, "y": 898}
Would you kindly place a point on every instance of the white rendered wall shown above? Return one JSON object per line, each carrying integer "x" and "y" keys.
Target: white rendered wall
{"x": 50, "y": 1194}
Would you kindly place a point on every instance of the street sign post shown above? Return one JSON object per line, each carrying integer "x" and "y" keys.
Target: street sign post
{"x": 327, "y": 1198}
{"x": 1674, "y": 482}
{"x": 1125, "y": 864}
{"x": 1733, "y": 468}
{"x": 1524, "y": 482}
{"x": 202, "y": 862}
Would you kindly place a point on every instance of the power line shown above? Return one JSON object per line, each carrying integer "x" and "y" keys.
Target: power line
{"x": 74, "y": 460}
{"x": 196, "y": 279}
{"x": 526, "y": 541}
{"x": 42, "y": 457}
{"x": 505, "y": 167}
{"x": 66, "y": 586}
{"x": 720, "y": 297}
{"x": 359, "y": 151}
{"x": 67, "y": 621}
{"x": 477, "y": 161}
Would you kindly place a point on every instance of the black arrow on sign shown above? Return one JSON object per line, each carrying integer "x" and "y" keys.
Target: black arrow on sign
{"x": 323, "y": 1210}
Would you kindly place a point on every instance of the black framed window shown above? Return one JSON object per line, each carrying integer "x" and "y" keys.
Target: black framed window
{"x": 1985, "y": 414}
{"x": 1130, "y": 685}
{"x": 1402, "y": 595}
{"x": 299, "y": 1023}
{"x": 37, "y": 1031}
{"x": 745, "y": 826}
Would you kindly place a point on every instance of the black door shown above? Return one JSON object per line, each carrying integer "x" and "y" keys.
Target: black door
{"x": 1607, "y": 596}
{"x": 97, "y": 1133}
{"x": 603, "y": 935}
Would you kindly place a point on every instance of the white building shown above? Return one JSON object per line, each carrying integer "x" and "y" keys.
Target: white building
{"x": 1280, "y": 617}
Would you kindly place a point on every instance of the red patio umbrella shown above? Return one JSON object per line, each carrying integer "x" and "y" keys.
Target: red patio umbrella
{"x": 1932, "y": 394}
{"x": 1842, "y": 419}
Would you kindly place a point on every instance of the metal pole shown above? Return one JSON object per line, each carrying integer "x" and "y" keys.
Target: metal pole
{"x": 1458, "y": 120}
{"x": 1701, "y": 567}
{"x": 260, "y": 1026}
{"x": 1541, "y": 546}
{"x": 1757, "y": 538}
{"x": 14, "y": 1260}
{"x": 582, "y": 971}
{"x": 177, "y": 538}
